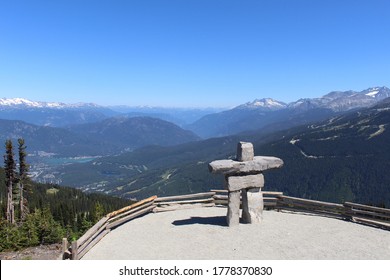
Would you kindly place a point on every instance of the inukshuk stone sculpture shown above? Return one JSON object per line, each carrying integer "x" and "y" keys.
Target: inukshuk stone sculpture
{"x": 244, "y": 177}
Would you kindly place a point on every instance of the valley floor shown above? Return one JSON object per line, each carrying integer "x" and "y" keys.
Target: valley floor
{"x": 202, "y": 234}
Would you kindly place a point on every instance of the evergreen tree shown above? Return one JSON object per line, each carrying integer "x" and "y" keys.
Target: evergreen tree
{"x": 97, "y": 212}
{"x": 9, "y": 168}
{"x": 47, "y": 229}
{"x": 23, "y": 169}
{"x": 30, "y": 231}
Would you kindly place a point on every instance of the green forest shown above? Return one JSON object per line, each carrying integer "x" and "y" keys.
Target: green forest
{"x": 51, "y": 212}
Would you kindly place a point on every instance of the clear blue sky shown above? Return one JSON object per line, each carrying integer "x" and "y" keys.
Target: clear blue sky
{"x": 191, "y": 52}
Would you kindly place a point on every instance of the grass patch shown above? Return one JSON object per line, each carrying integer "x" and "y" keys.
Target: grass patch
{"x": 52, "y": 191}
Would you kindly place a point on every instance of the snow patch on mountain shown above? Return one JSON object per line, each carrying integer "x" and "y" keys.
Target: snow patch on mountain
{"x": 372, "y": 93}
{"x": 293, "y": 141}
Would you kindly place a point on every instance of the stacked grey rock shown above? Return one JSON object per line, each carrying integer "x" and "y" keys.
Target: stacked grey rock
{"x": 244, "y": 177}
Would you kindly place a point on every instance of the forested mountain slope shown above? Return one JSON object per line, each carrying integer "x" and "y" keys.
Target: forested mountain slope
{"x": 344, "y": 158}
{"x": 110, "y": 136}
{"x": 55, "y": 212}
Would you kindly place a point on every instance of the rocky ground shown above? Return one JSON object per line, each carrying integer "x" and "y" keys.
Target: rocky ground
{"x": 43, "y": 252}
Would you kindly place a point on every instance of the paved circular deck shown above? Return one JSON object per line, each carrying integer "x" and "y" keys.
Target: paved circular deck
{"x": 202, "y": 233}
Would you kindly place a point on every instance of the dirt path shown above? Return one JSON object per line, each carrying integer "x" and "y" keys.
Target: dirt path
{"x": 44, "y": 252}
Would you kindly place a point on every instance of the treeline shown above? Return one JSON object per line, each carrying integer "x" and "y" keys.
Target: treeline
{"x": 54, "y": 212}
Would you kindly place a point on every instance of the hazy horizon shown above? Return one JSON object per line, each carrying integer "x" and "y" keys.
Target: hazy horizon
{"x": 177, "y": 107}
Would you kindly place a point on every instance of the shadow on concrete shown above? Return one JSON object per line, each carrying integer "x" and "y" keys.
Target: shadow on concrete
{"x": 215, "y": 221}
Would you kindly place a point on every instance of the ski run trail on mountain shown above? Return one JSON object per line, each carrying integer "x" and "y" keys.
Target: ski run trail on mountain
{"x": 294, "y": 141}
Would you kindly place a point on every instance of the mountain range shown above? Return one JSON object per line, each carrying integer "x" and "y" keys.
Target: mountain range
{"x": 107, "y": 137}
{"x": 23, "y": 103}
{"x": 339, "y": 159}
{"x": 178, "y": 116}
{"x": 266, "y": 113}
{"x": 57, "y": 114}
{"x": 129, "y": 133}
{"x": 273, "y": 115}
{"x": 53, "y": 114}
{"x": 334, "y": 147}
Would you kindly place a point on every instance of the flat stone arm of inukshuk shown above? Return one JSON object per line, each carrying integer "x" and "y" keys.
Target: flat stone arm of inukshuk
{"x": 258, "y": 164}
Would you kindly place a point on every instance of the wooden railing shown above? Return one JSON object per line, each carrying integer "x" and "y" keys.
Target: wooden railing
{"x": 370, "y": 215}
{"x": 359, "y": 213}
{"x": 81, "y": 246}
{"x": 312, "y": 206}
{"x": 171, "y": 203}
{"x": 270, "y": 198}
{"x": 363, "y": 214}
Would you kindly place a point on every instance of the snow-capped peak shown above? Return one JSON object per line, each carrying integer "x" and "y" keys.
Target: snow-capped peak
{"x": 372, "y": 92}
{"x": 17, "y": 102}
{"x": 265, "y": 103}
{"x": 23, "y": 103}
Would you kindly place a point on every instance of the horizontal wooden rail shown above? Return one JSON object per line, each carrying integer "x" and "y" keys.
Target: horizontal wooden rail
{"x": 364, "y": 214}
{"x": 185, "y": 201}
{"x": 130, "y": 217}
{"x": 83, "y": 251}
{"x": 182, "y": 206}
{"x": 311, "y": 206}
{"x": 90, "y": 233}
{"x": 225, "y": 197}
{"x": 303, "y": 201}
{"x": 265, "y": 193}
{"x": 81, "y": 246}
{"x": 366, "y": 207}
{"x": 370, "y": 215}
{"x": 182, "y": 197}
{"x": 135, "y": 205}
{"x": 372, "y": 222}
{"x": 172, "y": 203}
{"x": 225, "y": 202}
{"x": 129, "y": 212}
{"x": 270, "y": 199}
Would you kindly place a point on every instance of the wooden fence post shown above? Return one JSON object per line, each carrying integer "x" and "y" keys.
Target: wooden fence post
{"x": 74, "y": 250}
{"x": 64, "y": 247}
{"x": 348, "y": 214}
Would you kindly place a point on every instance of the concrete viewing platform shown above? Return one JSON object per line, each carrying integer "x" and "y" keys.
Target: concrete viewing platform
{"x": 230, "y": 224}
{"x": 203, "y": 234}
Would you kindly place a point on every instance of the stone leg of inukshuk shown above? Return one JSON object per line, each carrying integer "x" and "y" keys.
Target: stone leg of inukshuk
{"x": 252, "y": 205}
{"x": 233, "y": 213}
{"x": 252, "y": 197}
